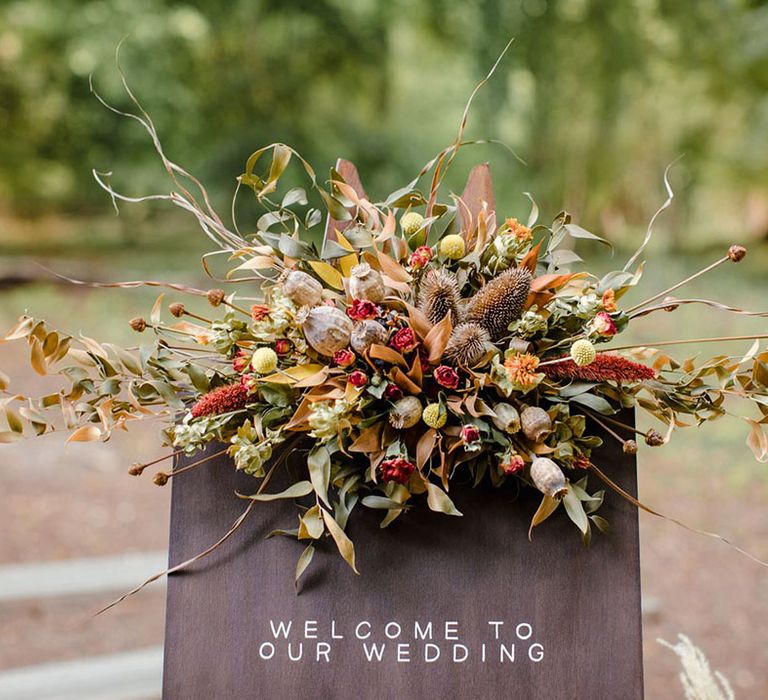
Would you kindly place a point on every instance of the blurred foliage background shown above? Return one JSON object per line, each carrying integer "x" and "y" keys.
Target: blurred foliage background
{"x": 596, "y": 97}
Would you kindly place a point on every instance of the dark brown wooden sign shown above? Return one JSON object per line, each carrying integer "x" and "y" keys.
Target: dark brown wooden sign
{"x": 444, "y": 607}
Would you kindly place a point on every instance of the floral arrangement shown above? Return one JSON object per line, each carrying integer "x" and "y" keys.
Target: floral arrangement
{"x": 423, "y": 342}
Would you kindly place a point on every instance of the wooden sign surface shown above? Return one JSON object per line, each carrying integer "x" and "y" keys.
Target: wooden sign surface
{"x": 444, "y": 606}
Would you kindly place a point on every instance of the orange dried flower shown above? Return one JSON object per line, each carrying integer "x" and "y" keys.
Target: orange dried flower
{"x": 609, "y": 301}
{"x": 520, "y": 231}
{"x": 521, "y": 368}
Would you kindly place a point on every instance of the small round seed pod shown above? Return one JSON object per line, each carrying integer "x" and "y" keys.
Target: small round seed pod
{"x": 302, "y": 289}
{"x": 327, "y": 329}
{"x": 177, "y": 309}
{"x": 536, "y": 424}
{"x": 507, "y": 419}
{"x": 405, "y": 413}
{"x": 583, "y": 353}
{"x": 216, "y": 297}
{"x": 411, "y": 222}
{"x": 630, "y": 447}
{"x": 138, "y": 324}
{"x": 653, "y": 438}
{"x": 367, "y": 333}
{"x": 264, "y": 361}
{"x": 736, "y": 253}
{"x": 548, "y": 477}
{"x": 452, "y": 246}
{"x": 366, "y": 283}
{"x": 435, "y": 416}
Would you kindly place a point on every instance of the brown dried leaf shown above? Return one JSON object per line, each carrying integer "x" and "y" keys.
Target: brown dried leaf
{"x": 425, "y": 447}
{"x": 437, "y": 339}
{"x": 390, "y": 355}
{"x": 85, "y": 433}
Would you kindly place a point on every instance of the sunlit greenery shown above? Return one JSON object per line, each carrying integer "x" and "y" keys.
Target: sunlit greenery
{"x": 597, "y": 97}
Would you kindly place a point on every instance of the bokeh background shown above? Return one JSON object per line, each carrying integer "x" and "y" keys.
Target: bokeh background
{"x": 596, "y": 98}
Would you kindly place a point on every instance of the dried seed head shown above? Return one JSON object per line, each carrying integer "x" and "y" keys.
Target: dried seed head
{"x": 736, "y": 253}
{"x": 583, "y": 353}
{"x": 501, "y": 301}
{"x": 264, "y": 361}
{"x": 507, "y": 418}
{"x": 405, "y": 413}
{"x": 136, "y": 469}
{"x": 536, "y": 424}
{"x": 215, "y": 297}
{"x": 435, "y": 416}
{"x": 452, "y": 246}
{"x": 161, "y": 479}
{"x": 366, "y": 283}
{"x": 367, "y": 333}
{"x": 327, "y": 329}
{"x": 138, "y": 324}
{"x": 176, "y": 310}
{"x": 411, "y": 222}
{"x": 671, "y": 305}
{"x": 548, "y": 477}
{"x": 468, "y": 344}
{"x": 630, "y": 447}
{"x": 439, "y": 296}
{"x": 653, "y": 438}
{"x": 302, "y": 289}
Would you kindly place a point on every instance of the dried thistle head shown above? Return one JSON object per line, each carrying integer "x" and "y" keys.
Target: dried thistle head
{"x": 439, "y": 296}
{"x": 468, "y": 344}
{"x": 501, "y": 301}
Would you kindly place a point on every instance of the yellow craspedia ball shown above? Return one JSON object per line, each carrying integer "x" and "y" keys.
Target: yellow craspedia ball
{"x": 411, "y": 222}
{"x": 264, "y": 361}
{"x": 434, "y": 416}
{"x": 583, "y": 353}
{"x": 452, "y": 247}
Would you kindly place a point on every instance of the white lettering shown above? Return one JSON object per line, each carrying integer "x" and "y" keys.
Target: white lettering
{"x": 430, "y": 659}
{"x": 374, "y": 651}
{"x": 503, "y": 651}
{"x": 323, "y": 649}
{"x": 310, "y": 629}
{"x": 394, "y": 635}
{"x": 282, "y": 628}
{"x": 536, "y": 652}
{"x": 333, "y": 631}
{"x": 451, "y": 630}
{"x": 456, "y": 648}
{"x": 301, "y": 652}
{"x": 523, "y": 626}
{"x": 358, "y": 634}
{"x": 496, "y": 626}
{"x": 403, "y": 653}
{"x": 269, "y": 653}
{"x": 426, "y": 633}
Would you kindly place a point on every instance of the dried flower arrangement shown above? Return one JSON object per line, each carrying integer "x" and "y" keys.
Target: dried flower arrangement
{"x": 425, "y": 341}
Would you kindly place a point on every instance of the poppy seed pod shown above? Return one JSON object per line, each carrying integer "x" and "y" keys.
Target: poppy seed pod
{"x": 327, "y": 329}
{"x": 405, "y": 413}
{"x": 536, "y": 424}
{"x": 367, "y": 333}
{"x": 507, "y": 418}
{"x": 302, "y": 289}
{"x": 366, "y": 283}
{"x": 548, "y": 477}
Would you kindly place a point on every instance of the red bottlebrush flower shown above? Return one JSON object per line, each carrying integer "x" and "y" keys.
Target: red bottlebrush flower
{"x": 393, "y": 392}
{"x": 344, "y": 358}
{"x": 241, "y": 361}
{"x": 361, "y": 309}
{"x": 602, "y": 324}
{"x": 420, "y": 257}
{"x": 470, "y": 434}
{"x": 446, "y": 376}
{"x": 283, "y": 346}
{"x": 358, "y": 378}
{"x": 225, "y": 399}
{"x": 513, "y": 465}
{"x": 605, "y": 368}
{"x": 259, "y": 312}
{"x": 397, "y": 469}
{"x": 404, "y": 340}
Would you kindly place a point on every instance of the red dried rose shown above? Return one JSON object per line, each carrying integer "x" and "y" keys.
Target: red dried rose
{"x": 470, "y": 434}
{"x": 283, "y": 346}
{"x": 362, "y": 309}
{"x": 602, "y": 324}
{"x": 240, "y": 361}
{"x": 259, "y": 312}
{"x": 420, "y": 257}
{"x": 393, "y": 392}
{"x": 404, "y": 340}
{"x": 358, "y": 378}
{"x": 446, "y": 376}
{"x": 225, "y": 399}
{"x": 397, "y": 469}
{"x": 514, "y": 465}
{"x": 344, "y": 358}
